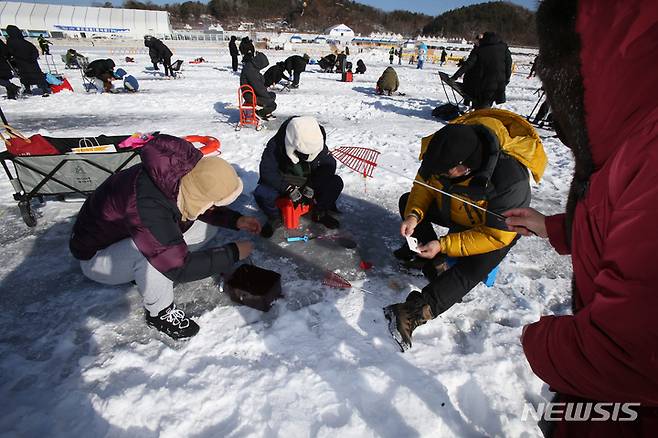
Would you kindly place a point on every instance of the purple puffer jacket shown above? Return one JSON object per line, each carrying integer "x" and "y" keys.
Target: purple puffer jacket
{"x": 140, "y": 202}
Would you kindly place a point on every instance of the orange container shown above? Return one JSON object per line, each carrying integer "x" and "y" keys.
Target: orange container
{"x": 289, "y": 213}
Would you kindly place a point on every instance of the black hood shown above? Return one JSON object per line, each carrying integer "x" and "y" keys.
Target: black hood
{"x": 233, "y": 38}
{"x": 14, "y": 32}
{"x": 260, "y": 61}
{"x": 450, "y": 146}
{"x": 489, "y": 38}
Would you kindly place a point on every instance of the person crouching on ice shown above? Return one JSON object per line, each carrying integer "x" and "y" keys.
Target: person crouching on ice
{"x": 296, "y": 164}
{"x": 479, "y": 161}
{"x": 388, "y": 82}
{"x": 151, "y": 223}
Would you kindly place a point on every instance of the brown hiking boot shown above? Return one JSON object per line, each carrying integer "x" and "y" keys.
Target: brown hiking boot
{"x": 404, "y": 318}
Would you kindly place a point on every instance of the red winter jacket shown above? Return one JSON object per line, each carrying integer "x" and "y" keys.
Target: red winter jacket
{"x": 608, "y": 350}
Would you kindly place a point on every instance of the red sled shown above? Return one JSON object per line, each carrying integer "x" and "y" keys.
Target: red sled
{"x": 65, "y": 85}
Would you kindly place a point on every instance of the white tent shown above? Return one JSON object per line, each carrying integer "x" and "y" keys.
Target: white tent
{"x": 340, "y": 32}
{"x": 82, "y": 20}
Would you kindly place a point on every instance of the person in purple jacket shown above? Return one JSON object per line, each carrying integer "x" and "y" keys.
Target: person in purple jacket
{"x": 151, "y": 224}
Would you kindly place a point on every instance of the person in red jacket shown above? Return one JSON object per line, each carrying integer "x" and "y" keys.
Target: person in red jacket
{"x": 597, "y": 64}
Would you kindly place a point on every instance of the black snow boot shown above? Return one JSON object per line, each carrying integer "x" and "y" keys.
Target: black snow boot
{"x": 12, "y": 91}
{"x": 404, "y": 318}
{"x": 324, "y": 218}
{"x": 172, "y": 322}
{"x": 270, "y": 226}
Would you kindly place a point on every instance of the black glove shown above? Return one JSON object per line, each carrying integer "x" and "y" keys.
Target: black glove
{"x": 294, "y": 194}
{"x": 307, "y": 195}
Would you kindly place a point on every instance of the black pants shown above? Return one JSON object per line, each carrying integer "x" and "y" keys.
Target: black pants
{"x": 40, "y": 82}
{"x": 268, "y": 105}
{"x": 327, "y": 187}
{"x": 295, "y": 78}
{"x": 451, "y": 286}
{"x": 234, "y": 62}
{"x": 167, "y": 67}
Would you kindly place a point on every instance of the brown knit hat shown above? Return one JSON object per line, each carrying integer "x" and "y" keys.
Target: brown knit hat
{"x": 212, "y": 181}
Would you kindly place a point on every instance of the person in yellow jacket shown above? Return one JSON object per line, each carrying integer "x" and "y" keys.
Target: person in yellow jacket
{"x": 483, "y": 159}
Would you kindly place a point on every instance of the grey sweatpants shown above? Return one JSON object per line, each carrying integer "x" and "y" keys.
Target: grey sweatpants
{"x": 122, "y": 262}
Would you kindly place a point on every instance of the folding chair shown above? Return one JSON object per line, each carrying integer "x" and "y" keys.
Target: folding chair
{"x": 457, "y": 100}
{"x": 87, "y": 82}
{"x": 247, "y": 105}
{"x": 176, "y": 68}
{"x": 455, "y": 89}
{"x": 541, "y": 116}
{"x": 285, "y": 85}
{"x": 76, "y": 61}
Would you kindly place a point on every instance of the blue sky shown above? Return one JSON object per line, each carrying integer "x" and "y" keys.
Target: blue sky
{"x": 431, "y": 7}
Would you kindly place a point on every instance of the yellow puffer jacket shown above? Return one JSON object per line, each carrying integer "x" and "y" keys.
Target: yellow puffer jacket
{"x": 517, "y": 139}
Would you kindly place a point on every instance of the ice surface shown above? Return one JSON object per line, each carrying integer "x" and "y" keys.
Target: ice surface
{"x": 76, "y": 358}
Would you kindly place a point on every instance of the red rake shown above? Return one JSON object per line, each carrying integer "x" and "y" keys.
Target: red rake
{"x": 334, "y": 280}
{"x": 360, "y": 160}
{"x": 364, "y": 161}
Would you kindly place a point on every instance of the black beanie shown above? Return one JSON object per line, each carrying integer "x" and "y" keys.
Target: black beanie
{"x": 450, "y": 146}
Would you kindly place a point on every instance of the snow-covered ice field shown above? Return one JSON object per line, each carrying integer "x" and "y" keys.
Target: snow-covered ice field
{"x": 77, "y": 360}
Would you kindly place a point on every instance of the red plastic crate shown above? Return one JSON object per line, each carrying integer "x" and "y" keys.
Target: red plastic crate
{"x": 289, "y": 213}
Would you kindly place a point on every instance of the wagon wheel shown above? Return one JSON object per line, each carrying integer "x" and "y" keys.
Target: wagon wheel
{"x": 27, "y": 214}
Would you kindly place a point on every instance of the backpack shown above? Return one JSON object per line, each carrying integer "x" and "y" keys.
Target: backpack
{"x": 446, "y": 112}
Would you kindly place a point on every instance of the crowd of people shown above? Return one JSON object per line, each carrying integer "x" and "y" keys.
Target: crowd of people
{"x": 19, "y": 57}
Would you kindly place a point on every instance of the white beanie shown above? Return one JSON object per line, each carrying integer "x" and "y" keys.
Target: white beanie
{"x": 303, "y": 135}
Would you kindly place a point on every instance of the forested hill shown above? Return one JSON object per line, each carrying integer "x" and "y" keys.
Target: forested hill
{"x": 309, "y": 15}
{"x": 515, "y": 24}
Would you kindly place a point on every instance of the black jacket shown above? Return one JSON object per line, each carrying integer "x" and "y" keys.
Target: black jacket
{"x": 251, "y": 76}
{"x": 360, "y": 67}
{"x": 275, "y": 73}
{"x": 158, "y": 51}
{"x": 100, "y": 68}
{"x": 278, "y": 171}
{"x": 341, "y": 59}
{"x": 232, "y": 47}
{"x": 295, "y": 63}
{"x": 246, "y": 46}
{"x": 5, "y": 69}
{"x": 487, "y": 69}
{"x": 327, "y": 62}
{"x": 23, "y": 55}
